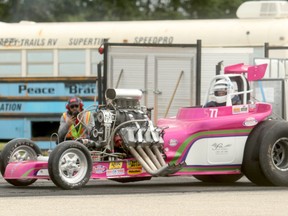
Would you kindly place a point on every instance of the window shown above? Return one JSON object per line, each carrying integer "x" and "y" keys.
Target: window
{"x": 71, "y": 62}
{"x": 10, "y": 63}
{"x": 40, "y": 63}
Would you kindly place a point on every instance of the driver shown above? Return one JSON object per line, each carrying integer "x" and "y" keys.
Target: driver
{"x": 220, "y": 90}
{"x": 75, "y": 123}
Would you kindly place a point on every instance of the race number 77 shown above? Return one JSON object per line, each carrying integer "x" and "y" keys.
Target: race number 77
{"x": 213, "y": 113}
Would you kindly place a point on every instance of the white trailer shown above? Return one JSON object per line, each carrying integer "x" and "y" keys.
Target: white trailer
{"x": 168, "y": 74}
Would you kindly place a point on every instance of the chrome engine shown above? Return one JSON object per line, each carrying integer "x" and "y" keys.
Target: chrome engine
{"x": 123, "y": 129}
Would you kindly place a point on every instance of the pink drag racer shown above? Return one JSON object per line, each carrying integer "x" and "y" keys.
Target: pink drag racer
{"x": 213, "y": 144}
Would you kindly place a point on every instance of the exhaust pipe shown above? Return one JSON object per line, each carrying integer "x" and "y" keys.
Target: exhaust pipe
{"x": 152, "y": 157}
{"x": 147, "y": 159}
{"x": 152, "y": 171}
{"x": 151, "y": 163}
{"x": 158, "y": 155}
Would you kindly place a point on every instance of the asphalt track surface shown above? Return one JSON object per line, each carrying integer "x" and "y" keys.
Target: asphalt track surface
{"x": 159, "y": 196}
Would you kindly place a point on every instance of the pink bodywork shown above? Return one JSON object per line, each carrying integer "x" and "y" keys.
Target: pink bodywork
{"x": 207, "y": 122}
{"x": 190, "y": 124}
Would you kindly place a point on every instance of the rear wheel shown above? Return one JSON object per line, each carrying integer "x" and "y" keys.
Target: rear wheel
{"x": 273, "y": 155}
{"x": 18, "y": 150}
{"x": 265, "y": 159}
{"x": 70, "y": 165}
{"x": 251, "y": 164}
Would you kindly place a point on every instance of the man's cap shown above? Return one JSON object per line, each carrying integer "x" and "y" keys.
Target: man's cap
{"x": 74, "y": 100}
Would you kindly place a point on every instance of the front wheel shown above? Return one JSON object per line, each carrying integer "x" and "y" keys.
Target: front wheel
{"x": 70, "y": 165}
{"x": 18, "y": 150}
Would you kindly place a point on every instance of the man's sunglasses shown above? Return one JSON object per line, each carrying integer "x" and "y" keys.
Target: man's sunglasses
{"x": 74, "y": 106}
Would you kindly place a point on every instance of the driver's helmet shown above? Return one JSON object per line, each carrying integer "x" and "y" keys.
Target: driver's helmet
{"x": 220, "y": 91}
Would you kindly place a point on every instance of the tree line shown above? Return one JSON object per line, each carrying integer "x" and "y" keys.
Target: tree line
{"x": 115, "y": 10}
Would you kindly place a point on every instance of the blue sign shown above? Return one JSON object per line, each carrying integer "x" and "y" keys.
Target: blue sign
{"x": 47, "y": 107}
{"x": 50, "y": 89}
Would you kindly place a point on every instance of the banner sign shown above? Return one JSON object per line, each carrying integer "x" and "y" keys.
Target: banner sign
{"x": 39, "y": 107}
{"x": 56, "y": 89}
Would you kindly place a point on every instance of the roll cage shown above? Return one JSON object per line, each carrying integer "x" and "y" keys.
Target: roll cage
{"x": 238, "y": 83}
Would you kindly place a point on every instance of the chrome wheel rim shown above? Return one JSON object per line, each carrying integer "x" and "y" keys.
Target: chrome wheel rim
{"x": 23, "y": 153}
{"x": 73, "y": 166}
{"x": 280, "y": 154}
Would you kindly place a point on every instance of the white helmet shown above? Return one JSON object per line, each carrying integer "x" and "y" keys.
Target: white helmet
{"x": 220, "y": 90}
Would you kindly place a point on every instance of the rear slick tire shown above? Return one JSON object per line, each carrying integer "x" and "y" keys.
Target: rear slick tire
{"x": 251, "y": 163}
{"x": 273, "y": 155}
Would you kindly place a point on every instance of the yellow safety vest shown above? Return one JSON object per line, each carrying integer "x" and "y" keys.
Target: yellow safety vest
{"x": 73, "y": 133}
